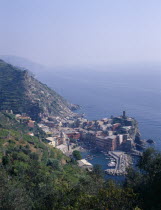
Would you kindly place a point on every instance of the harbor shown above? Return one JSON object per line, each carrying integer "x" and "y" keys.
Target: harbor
{"x": 119, "y": 163}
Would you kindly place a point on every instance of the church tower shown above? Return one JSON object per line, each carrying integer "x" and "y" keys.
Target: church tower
{"x": 124, "y": 114}
{"x": 63, "y": 138}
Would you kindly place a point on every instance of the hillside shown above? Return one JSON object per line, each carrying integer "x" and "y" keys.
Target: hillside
{"x": 31, "y": 172}
{"x": 22, "y": 93}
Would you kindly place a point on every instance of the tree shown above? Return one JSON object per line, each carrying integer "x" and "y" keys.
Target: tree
{"x": 146, "y": 180}
{"x": 54, "y": 163}
{"x": 77, "y": 155}
{"x": 97, "y": 170}
{"x": 13, "y": 194}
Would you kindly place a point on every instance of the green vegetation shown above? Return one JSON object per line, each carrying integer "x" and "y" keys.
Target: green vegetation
{"x": 34, "y": 175}
{"x": 146, "y": 181}
{"x": 9, "y": 121}
{"x": 77, "y": 155}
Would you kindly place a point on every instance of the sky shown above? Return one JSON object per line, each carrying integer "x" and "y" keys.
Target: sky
{"x": 69, "y": 33}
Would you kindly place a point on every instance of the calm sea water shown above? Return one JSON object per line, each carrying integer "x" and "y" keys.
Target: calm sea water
{"x": 102, "y": 94}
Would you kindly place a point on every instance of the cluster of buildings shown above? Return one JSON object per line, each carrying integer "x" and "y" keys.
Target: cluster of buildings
{"x": 25, "y": 120}
{"x": 108, "y": 134}
{"x": 58, "y": 134}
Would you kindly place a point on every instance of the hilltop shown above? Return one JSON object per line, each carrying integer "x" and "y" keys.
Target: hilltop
{"x": 22, "y": 93}
{"x": 23, "y": 63}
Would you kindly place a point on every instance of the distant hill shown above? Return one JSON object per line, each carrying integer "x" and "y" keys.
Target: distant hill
{"x": 24, "y": 63}
{"x": 22, "y": 93}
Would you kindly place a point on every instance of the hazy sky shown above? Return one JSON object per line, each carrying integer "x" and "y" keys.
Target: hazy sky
{"x": 81, "y": 32}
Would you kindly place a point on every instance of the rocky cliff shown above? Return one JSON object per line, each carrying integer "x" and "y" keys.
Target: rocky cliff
{"x": 22, "y": 93}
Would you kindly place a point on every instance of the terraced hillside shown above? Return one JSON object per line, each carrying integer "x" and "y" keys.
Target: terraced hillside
{"x": 22, "y": 93}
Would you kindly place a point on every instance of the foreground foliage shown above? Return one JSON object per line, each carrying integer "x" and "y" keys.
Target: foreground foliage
{"x": 146, "y": 180}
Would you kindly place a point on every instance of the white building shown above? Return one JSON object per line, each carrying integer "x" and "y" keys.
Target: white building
{"x": 85, "y": 164}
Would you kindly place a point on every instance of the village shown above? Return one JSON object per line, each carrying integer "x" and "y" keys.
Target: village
{"x": 77, "y": 133}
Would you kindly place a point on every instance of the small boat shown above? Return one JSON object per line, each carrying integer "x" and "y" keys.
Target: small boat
{"x": 112, "y": 159}
{"x": 111, "y": 164}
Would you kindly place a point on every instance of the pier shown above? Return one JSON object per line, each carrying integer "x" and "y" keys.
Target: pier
{"x": 123, "y": 161}
{"x": 137, "y": 153}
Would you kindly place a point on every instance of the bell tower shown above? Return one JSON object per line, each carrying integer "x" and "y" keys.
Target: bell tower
{"x": 124, "y": 114}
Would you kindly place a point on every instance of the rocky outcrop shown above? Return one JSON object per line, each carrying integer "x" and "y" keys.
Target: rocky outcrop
{"x": 150, "y": 141}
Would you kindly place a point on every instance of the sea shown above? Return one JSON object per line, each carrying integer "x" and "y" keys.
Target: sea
{"x": 103, "y": 93}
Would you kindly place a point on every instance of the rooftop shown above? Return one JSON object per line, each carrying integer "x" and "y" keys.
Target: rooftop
{"x": 84, "y": 162}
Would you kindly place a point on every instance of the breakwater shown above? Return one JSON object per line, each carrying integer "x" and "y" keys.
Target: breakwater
{"x": 123, "y": 161}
